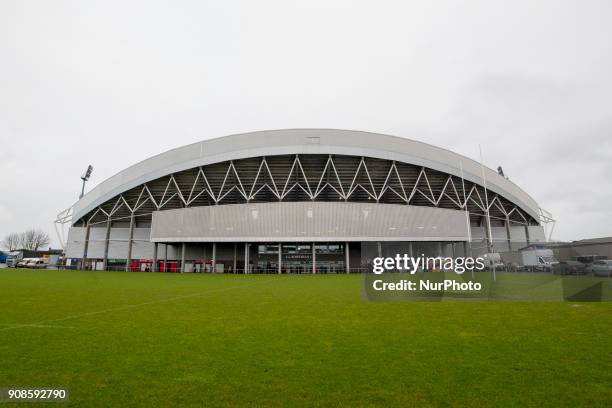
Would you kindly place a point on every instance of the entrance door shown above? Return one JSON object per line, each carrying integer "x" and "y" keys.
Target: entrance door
{"x": 297, "y": 258}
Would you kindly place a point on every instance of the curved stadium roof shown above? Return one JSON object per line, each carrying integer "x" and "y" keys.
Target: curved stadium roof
{"x": 331, "y": 165}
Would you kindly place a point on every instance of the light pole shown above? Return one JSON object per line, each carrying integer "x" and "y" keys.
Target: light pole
{"x": 85, "y": 177}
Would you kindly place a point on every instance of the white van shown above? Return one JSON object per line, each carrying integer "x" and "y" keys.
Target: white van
{"x": 37, "y": 263}
{"x": 23, "y": 262}
{"x": 538, "y": 259}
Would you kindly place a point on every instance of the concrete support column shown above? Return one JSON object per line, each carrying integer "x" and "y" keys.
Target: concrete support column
{"x": 467, "y": 244}
{"x": 155, "y": 248}
{"x": 246, "y": 257}
{"x": 235, "y": 253}
{"x": 86, "y": 246}
{"x": 280, "y": 258}
{"x": 314, "y": 258}
{"x": 508, "y": 236}
{"x": 183, "y": 248}
{"x": 128, "y": 261}
{"x": 488, "y": 232}
{"x": 410, "y": 249}
{"x": 165, "y": 257}
{"x": 527, "y": 234}
{"x": 214, "y": 258}
{"x": 379, "y": 246}
{"x": 347, "y": 265}
{"x": 106, "y": 243}
{"x": 440, "y": 249}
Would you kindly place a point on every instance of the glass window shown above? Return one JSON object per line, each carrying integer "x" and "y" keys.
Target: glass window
{"x": 267, "y": 249}
{"x": 321, "y": 248}
{"x": 289, "y": 248}
{"x": 329, "y": 248}
{"x": 304, "y": 248}
{"x": 334, "y": 248}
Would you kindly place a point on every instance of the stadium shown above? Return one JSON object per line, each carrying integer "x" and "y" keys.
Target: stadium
{"x": 297, "y": 201}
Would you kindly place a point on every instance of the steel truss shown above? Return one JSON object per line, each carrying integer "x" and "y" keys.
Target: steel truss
{"x": 300, "y": 178}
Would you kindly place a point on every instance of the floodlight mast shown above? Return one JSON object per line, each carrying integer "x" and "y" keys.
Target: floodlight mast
{"x": 85, "y": 177}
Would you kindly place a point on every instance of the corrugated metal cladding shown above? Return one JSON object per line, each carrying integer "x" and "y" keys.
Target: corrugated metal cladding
{"x": 308, "y": 221}
{"x": 142, "y": 248}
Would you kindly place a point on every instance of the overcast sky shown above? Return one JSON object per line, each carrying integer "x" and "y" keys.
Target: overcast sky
{"x": 113, "y": 82}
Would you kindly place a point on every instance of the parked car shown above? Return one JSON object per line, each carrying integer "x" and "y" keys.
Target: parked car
{"x": 23, "y": 263}
{"x": 589, "y": 259}
{"x": 31, "y": 263}
{"x": 569, "y": 268}
{"x": 601, "y": 268}
{"x": 493, "y": 261}
{"x": 37, "y": 263}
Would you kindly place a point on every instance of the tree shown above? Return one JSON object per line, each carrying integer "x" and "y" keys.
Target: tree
{"x": 34, "y": 239}
{"x": 11, "y": 241}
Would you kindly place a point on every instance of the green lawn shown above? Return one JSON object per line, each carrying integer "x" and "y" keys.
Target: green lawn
{"x": 153, "y": 339}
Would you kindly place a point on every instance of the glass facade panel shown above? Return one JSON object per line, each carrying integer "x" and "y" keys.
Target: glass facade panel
{"x": 289, "y": 248}
{"x": 267, "y": 249}
{"x": 304, "y": 248}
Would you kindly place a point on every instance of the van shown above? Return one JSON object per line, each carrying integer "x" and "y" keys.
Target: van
{"x": 37, "y": 263}
{"x": 539, "y": 259}
{"x": 23, "y": 262}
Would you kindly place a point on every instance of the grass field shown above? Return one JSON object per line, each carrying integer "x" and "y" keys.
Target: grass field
{"x": 152, "y": 339}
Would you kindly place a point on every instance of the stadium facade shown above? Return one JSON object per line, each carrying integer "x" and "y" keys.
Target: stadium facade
{"x": 297, "y": 201}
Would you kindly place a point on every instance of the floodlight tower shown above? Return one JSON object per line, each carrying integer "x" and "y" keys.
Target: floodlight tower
{"x": 85, "y": 177}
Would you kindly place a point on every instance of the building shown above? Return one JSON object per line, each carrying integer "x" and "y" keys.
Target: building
{"x": 299, "y": 200}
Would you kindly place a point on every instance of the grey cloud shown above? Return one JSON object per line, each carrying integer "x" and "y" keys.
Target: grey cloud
{"x": 113, "y": 83}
